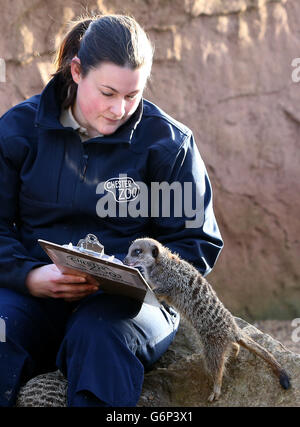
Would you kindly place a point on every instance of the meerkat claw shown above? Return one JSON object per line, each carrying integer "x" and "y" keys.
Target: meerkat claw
{"x": 213, "y": 397}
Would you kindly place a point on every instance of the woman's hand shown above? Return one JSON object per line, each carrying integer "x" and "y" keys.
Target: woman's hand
{"x": 48, "y": 282}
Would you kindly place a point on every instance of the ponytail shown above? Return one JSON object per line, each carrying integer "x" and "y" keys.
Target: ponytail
{"x": 65, "y": 53}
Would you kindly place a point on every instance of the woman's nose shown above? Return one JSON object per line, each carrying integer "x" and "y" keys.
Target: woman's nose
{"x": 118, "y": 108}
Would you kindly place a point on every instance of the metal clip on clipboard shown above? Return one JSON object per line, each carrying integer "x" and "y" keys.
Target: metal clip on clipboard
{"x": 91, "y": 244}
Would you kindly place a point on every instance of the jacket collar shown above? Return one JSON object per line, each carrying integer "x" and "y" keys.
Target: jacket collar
{"x": 49, "y": 110}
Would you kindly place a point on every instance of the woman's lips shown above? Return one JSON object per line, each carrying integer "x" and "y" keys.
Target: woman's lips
{"x": 111, "y": 120}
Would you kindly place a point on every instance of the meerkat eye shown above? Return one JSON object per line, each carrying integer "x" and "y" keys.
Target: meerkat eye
{"x": 136, "y": 252}
{"x": 155, "y": 252}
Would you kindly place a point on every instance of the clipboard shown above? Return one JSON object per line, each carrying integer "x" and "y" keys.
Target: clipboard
{"x": 114, "y": 277}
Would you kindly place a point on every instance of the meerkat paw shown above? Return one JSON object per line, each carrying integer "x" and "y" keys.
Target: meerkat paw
{"x": 215, "y": 394}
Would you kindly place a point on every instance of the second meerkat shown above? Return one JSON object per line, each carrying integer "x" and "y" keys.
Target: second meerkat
{"x": 183, "y": 286}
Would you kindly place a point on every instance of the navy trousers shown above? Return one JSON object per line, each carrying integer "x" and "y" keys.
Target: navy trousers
{"x": 103, "y": 344}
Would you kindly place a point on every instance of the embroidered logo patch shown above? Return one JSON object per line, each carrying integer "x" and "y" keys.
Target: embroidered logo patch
{"x": 124, "y": 189}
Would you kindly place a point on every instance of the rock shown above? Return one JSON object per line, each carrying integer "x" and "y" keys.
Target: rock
{"x": 179, "y": 378}
{"x": 45, "y": 390}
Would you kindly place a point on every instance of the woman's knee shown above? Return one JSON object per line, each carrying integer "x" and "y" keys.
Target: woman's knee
{"x": 147, "y": 333}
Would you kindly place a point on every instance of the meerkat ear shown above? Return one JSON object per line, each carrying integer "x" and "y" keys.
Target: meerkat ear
{"x": 155, "y": 251}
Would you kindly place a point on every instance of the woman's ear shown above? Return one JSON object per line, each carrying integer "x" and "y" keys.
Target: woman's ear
{"x": 154, "y": 251}
{"x": 76, "y": 69}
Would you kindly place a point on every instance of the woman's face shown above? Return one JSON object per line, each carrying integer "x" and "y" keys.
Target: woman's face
{"x": 107, "y": 96}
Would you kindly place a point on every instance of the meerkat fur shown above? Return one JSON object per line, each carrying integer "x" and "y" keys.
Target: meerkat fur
{"x": 181, "y": 284}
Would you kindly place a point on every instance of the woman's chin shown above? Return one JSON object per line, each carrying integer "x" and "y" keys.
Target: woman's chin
{"x": 107, "y": 129}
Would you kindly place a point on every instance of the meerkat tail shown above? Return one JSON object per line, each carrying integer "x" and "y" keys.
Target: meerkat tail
{"x": 278, "y": 370}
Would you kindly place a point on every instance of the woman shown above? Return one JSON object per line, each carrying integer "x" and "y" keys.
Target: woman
{"x": 58, "y": 150}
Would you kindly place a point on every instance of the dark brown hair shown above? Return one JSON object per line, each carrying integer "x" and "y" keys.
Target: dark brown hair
{"x": 106, "y": 38}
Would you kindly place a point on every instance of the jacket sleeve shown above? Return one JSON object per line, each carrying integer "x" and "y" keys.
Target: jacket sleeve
{"x": 15, "y": 261}
{"x": 184, "y": 219}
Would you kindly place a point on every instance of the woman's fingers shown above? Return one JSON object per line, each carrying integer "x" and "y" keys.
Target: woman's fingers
{"x": 61, "y": 290}
{"x": 48, "y": 281}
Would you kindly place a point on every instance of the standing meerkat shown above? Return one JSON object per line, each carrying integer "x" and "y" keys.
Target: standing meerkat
{"x": 182, "y": 285}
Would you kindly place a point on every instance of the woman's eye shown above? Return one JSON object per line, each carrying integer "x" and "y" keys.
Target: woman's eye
{"x": 130, "y": 97}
